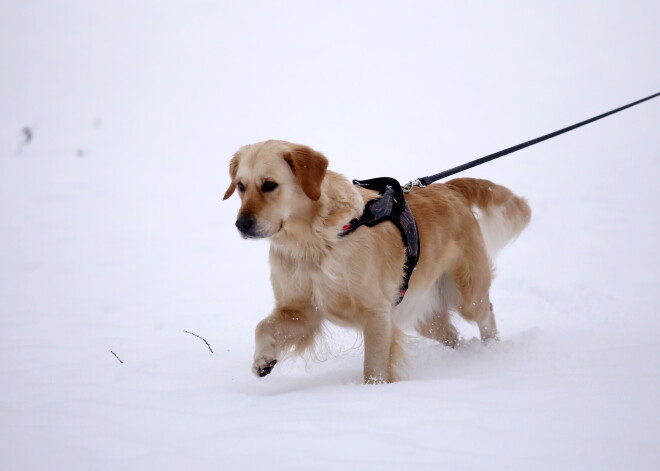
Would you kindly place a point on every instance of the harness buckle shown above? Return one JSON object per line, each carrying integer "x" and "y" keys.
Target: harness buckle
{"x": 412, "y": 183}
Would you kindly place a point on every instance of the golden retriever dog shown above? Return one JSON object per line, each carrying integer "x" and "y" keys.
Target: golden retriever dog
{"x": 289, "y": 197}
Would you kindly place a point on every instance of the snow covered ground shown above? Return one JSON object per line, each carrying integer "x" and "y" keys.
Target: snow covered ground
{"x": 113, "y": 235}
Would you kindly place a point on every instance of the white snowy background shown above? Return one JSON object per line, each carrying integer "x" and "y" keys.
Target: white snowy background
{"x": 113, "y": 235}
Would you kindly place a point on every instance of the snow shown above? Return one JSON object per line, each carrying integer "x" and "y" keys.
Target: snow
{"x": 113, "y": 235}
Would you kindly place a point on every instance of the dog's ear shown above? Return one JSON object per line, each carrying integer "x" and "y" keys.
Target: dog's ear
{"x": 233, "y": 167}
{"x": 309, "y": 168}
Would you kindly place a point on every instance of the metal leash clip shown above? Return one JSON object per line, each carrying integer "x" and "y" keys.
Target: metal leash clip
{"x": 412, "y": 183}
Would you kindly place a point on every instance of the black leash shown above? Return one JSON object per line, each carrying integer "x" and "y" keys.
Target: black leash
{"x": 424, "y": 181}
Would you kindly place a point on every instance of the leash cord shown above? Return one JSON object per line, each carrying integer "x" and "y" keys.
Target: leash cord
{"x": 423, "y": 181}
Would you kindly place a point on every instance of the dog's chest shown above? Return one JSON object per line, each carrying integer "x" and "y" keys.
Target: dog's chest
{"x": 324, "y": 283}
{"x": 331, "y": 295}
{"x": 328, "y": 283}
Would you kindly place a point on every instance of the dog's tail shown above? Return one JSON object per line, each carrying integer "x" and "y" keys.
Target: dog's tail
{"x": 501, "y": 214}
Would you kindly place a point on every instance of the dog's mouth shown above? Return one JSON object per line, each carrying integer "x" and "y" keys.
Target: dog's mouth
{"x": 254, "y": 233}
{"x": 249, "y": 235}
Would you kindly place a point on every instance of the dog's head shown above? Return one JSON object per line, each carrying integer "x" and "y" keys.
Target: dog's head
{"x": 277, "y": 181}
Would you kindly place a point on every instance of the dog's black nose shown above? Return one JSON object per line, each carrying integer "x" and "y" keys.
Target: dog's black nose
{"x": 244, "y": 224}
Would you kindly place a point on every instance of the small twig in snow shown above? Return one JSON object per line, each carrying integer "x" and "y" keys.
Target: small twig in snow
{"x": 207, "y": 344}
{"x": 116, "y": 356}
{"x": 200, "y": 337}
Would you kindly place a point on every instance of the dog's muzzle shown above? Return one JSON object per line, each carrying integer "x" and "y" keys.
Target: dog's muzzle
{"x": 246, "y": 225}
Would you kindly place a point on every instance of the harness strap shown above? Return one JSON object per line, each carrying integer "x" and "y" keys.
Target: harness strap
{"x": 390, "y": 206}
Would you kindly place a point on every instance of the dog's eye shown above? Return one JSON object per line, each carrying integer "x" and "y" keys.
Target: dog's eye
{"x": 240, "y": 187}
{"x": 268, "y": 186}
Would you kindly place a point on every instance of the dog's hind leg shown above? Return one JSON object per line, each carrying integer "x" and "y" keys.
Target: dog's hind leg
{"x": 473, "y": 285}
{"x": 438, "y": 325}
{"x": 440, "y": 328}
{"x": 487, "y": 325}
{"x": 286, "y": 329}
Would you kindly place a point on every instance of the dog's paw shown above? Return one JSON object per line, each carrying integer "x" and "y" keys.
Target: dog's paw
{"x": 376, "y": 379}
{"x": 263, "y": 366}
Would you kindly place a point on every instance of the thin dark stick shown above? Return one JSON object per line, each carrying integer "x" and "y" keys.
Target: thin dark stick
{"x": 116, "y": 356}
{"x": 207, "y": 344}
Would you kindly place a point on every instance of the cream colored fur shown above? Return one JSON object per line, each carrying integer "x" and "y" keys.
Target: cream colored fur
{"x": 289, "y": 196}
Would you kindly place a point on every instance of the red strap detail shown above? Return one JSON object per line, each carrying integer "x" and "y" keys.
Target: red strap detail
{"x": 346, "y": 227}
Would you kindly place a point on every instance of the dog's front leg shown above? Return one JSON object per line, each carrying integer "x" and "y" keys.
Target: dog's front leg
{"x": 286, "y": 329}
{"x": 378, "y": 339}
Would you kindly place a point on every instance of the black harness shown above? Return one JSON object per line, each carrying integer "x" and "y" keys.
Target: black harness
{"x": 390, "y": 206}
